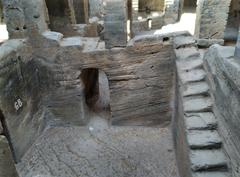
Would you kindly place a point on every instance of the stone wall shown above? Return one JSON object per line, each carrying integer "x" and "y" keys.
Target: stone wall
{"x": 223, "y": 73}
{"x": 211, "y": 18}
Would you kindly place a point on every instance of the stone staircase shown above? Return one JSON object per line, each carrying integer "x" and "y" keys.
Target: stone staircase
{"x": 206, "y": 154}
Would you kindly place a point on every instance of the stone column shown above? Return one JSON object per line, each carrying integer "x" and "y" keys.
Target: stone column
{"x": 211, "y": 21}
{"x": 96, "y": 8}
{"x": 237, "y": 50}
{"x": 36, "y": 14}
{"x": 14, "y": 18}
{"x": 81, "y": 11}
{"x": 135, "y": 9}
{"x": 172, "y": 10}
{"x": 115, "y": 23}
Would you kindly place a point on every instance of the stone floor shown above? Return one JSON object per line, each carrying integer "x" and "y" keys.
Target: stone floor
{"x": 100, "y": 150}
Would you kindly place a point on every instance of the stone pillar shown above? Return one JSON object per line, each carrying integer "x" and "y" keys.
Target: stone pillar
{"x": 96, "y": 8}
{"x": 135, "y": 9}
{"x": 61, "y": 16}
{"x": 14, "y": 18}
{"x": 36, "y": 14}
{"x": 172, "y": 10}
{"x": 237, "y": 50}
{"x": 81, "y": 11}
{"x": 1, "y": 13}
{"x": 7, "y": 167}
{"x": 211, "y": 20}
{"x": 115, "y": 23}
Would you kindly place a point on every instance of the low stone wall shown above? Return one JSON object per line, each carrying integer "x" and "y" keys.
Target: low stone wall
{"x": 223, "y": 72}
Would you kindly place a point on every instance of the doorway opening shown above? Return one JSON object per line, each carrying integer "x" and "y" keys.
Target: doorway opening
{"x": 96, "y": 89}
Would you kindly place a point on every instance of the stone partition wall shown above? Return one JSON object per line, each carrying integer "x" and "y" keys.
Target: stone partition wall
{"x": 223, "y": 73}
{"x": 211, "y": 19}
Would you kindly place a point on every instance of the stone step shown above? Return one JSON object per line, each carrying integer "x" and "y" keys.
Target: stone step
{"x": 189, "y": 53}
{"x": 198, "y": 88}
{"x": 208, "y": 160}
{"x": 196, "y": 75}
{"x": 183, "y": 41}
{"x": 190, "y": 65}
{"x": 197, "y": 104}
{"x": 201, "y": 121}
{"x": 211, "y": 174}
{"x": 204, "y": 139}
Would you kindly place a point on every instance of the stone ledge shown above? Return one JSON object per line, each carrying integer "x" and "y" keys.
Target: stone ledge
{"x": 208, "y": 42}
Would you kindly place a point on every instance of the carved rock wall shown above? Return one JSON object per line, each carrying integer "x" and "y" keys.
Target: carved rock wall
{"x": 223, "y": 72}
